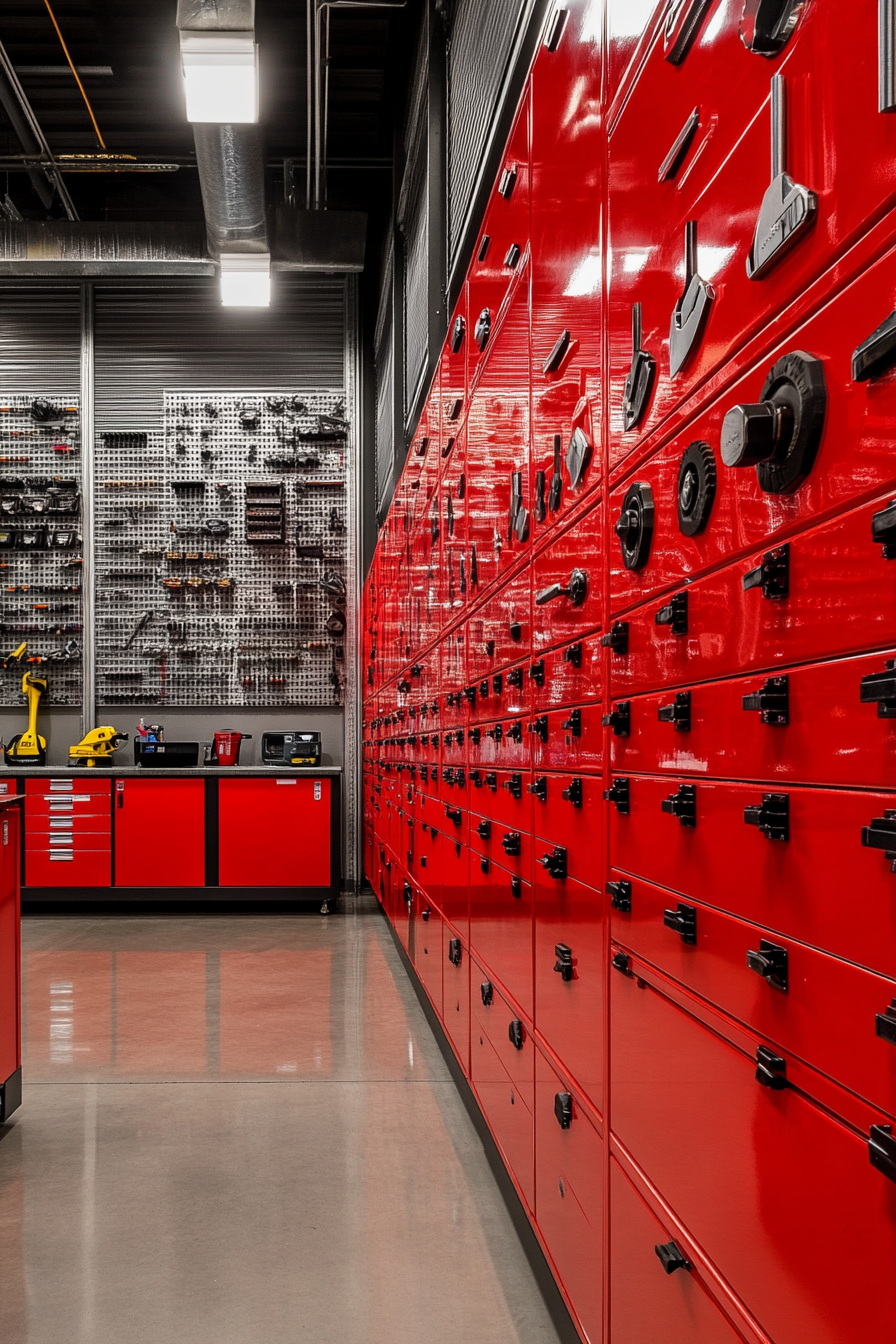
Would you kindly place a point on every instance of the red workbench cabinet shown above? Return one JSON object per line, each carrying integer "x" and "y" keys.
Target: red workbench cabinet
{"x": 10, "y": 963}
{"x": 159, "y": 832}
{"x": 274, "y": 832}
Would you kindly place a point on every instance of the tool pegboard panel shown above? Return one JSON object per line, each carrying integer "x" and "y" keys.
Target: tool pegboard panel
{"x": 40, "y": 542}
{"x": 221, "y": 553}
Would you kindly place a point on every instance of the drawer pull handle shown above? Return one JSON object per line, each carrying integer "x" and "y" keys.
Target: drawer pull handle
{"x": 674, "y": 614}
{"x": 621, "y": 895}
{"x": 554, "y": 863}
{"x": 678, "y": 713}
{"x": 619, "y": 793}
{"x": 772, "y": 575}
{"x": 683, "y": 805}
{"x": 515, "y": 1033}
{"x": 564, "y": 964}
{"x": 61, "y": 858}
{"x": 772, "y": 816}
{"x": 683, "y": 921}
{"x": 671, "y": 1258}
{"x": 772, "y": 701}
{"x": 619, "y": 719}
{"x": 563, "y": 1109}
{"x": 882, "y": 1150}
{"x": 771, "y": 1069}
{"x": 885, "y": 1023}
{"x": 486, "y": 993}
{"x": 879, "y": 688}
{"x": 881, "y": 834}
{"x": 771, "y": 962}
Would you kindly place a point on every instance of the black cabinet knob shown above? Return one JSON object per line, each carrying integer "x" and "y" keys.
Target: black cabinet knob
{"x": 619, "y": 793}
{"x": 572, "y": 725}
{"x": 634, "y": 527}
{"x": 683, "y": 804}
{"x": 574, "y": 793}
{"x": 780, "y": 434}
{"x": 563, "y": 1109}
{"x": 455, "y": 951}
{"x": 772, "y": 575}
{"x": 486, "y": 993}
{"x": 515, "y": 677}
{"x": 511, "y": 843}
{"x": 555, "y": 863}
{"x": 536, "y": 672}
{"x": 678, "y": 713}
{"x": 771, "y": 816}
{"x": 771, "y": 701}
{"x": 617, "y": 639}
{"x": 771, "y": 1069}
{"x": 621, "y": 895}
{"x": 623, "y": 963}
{"x": 564, "y": 963}
{"x": 619, "y": 719}
{"x": 573, "y": 654}
{"x": 683, "y": 921}
{"x": 484, "y": 830}
{"x": 516, "y": 1034}
{"x": 674, "y": 614}
{"x": 514, "y": 786}
{"x": 539, "y": 788}
{"x": 539, "y": 726}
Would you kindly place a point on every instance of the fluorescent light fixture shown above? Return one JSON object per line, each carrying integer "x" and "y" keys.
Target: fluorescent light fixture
{"x": 220, "y": 75}
{"x": 246, "y": 279}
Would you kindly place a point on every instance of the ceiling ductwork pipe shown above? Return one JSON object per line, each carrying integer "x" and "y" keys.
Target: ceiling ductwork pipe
{"x": 229, "y": 156}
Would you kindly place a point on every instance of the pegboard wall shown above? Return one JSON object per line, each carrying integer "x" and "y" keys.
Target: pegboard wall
{"x": 221, "y": 553}
{"x": 40, "y": 544}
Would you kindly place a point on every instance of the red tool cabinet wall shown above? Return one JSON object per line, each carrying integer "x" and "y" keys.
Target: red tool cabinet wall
{"x": 630, "y": 746}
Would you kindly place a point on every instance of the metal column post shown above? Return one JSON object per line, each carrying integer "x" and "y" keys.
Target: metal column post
{"x": 354, "y": 484}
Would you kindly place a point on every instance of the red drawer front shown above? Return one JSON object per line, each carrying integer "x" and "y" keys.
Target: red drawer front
{"x": 80, "y": 782}
{"x": 794, "y": 886}
{"x": 454, "y": 881}
{"x": 500, "y": 631}
{"x": 831, "y": 737}
{"x": 647, "y": 1304}
{"x": 501, "y": 694}
{"x": 567, "y": 676}
{"x": 496, "y": 1017}
{"x": 456, "y": 993}
{"x": 569, "y": 813}
{"x": 503, "y": 796}
{"x": 274, "y": 833}
{"x": 568, "y": 737}
{"x": 760, "y": 1178}
{"x": 506, "y": 845}
{"x": 77, "y": 867}
{"x": 504, "y": 744}
{"x": 148, "y": 808}
{"x": 569, "y": 1196}
{"x": 38, "y": 826}
{"x": 428, "y": 950}
{"x": 842, "y": 599}
{"x": 569, "y": 1012}
{"x": 827, "y": 1014}
{"x": 39, "y": 809}
{"x": 559, "y": 619}
{"x": 507, "y": 1107}
{"x": 8, "y": 787}
{"x": 501, "y": 926}
{"x": 10, "y": 945}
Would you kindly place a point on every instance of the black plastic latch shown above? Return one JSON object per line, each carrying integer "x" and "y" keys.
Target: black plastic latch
{"x": 486, "y": 993}
{"x": 515, "y": 630}
{"x": 424, "y": 915}
{"x": 881, "y": 834}
{"x": 408, "y": 893}
{"x": 883, "y": 529}
{"x": 671, "y": 1258}
{"x": 491, "y": 781}
{"x": 540, "y": 788}
{"x": 536, "y": 672}
{"x": 683, "y": 921}
{"x": 475, "y": 738}
{"x": 484, "y": 688}
{"x": 515, "y": 1033}
{"x": 573, "y": 655}
{"x": 558, "y": 354}
{"x": 621, "y": 895}
{"x": 563, "y": 1109}
{"x": 455, "y": 951}
{"x": 619, "y": 719}
{"x": 885, "y": 1023}
{"x": 575, "y": 589}
{"x": 539, "y": 726}
{"x": 771, "y": 816}
{"x": 514, "y": 731}
{"x": 541, "y": 507}
{"x": 683, "y": 804}
{"x": 617, "y": 639}
{"x": 678, "y": 713}
{"x": 454, "y": 815}
{"x": 882, "y": 1150}
{"x": 619, "y": 793}
{"x": 484, "y": 830}
{"x": 674, "y": 614}
{"x": 622, "y": 962}
{"x": 481, "y": 332}
{"x": 470, "y": 694}
{"x": 516, "y": 887}
{"x": 512, "y": 843}
{"x": 572, "y": 725}
{"x": 563, "y": 965}
{"x": 771, "y": 1069}
{"x": 575, "y": 793}
{"x": 554, "y": 863}
{"x": 514, "y": 785}
{"x": 771, "y": 963}
{"x": 773, "y": 574}
{"x": 515, "y": 677}
{"x": 880, "y": 688}
{"x": 485, "y": 864}
{"x": 475, "y": 775}
{"x": 772, "y": 701}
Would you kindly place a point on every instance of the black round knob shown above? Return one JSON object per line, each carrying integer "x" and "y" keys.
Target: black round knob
{"x": 696, "y": 488}
{"x": 750, "y": 434}
{"x": 634, "y": 527}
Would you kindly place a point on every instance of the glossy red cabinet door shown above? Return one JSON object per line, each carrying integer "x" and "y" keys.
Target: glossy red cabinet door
{"x": 10, "y": 946}
{"x": 274, "y": 832}
{"x": 159, "y": 832}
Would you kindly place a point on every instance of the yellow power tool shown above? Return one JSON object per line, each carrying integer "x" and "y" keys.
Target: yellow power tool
{"x": 28, "y": 748}
{"x": 96, "y": 746}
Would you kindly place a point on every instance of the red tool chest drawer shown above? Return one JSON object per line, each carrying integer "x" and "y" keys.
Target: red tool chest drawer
{"x": 654, "y": 1300}
{"x": 10, "y": 945}
{"x": 760, "y": 1177}
{"x": 274, "y": 832}
{"x": 569, "y": 1194}
{"x": 564, "y": 738}
{"x": 567, "y": 584}
{"x": 501, "y": 926}
{"x": 81, "y": 782}
{"x": 428, "y": 949}
{"x": 68, "y": 867}
{"x": 456, "y": 992}
{"x": 159, "y": 832}
{"x": 567, "y": 676}
{"x": 494, "y": 1016}
{"x": 831, "y": 732}
{"x": 794, "y": 886}
{"x": 569, "y": 979}
{"x": 810, "y": 1004}
{"x": 507, "y": 1106}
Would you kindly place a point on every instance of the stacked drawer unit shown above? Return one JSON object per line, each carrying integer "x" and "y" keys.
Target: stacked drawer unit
{"x": 68, "y": 822}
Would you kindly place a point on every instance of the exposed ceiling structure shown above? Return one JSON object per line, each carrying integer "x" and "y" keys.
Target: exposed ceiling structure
{"x": 126, "y": 55}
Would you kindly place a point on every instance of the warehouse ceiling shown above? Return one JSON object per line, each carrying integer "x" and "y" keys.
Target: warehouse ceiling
{"x": 127, "y": 57}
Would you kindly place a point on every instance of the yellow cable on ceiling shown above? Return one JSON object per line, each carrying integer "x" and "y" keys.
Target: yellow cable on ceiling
{"x": 75, "y": 73}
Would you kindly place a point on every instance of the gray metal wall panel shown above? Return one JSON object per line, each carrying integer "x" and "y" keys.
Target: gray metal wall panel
{"x": 40, "y": 341}
{"x": 483, "y": 35}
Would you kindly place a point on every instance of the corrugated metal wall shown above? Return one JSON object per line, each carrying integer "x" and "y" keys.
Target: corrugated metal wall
{"x": 40, "y": 341}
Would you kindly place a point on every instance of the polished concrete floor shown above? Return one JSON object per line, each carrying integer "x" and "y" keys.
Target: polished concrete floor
{"x": 241, "y": 1131}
